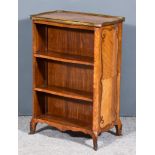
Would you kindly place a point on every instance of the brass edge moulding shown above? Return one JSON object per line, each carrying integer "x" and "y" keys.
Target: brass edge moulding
{"x": 71, "y": 22}
{"x": 84, "y": 13}
{"x": 34, "y": 17}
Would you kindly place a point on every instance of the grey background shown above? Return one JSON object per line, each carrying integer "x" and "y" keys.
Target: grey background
{"x": 126, "y": 8}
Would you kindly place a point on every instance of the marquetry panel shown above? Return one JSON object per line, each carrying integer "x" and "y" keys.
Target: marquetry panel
{"x": 108, "y": 79}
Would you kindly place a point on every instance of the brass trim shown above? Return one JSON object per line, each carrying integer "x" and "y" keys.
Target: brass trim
{"x": 74, "y": 22}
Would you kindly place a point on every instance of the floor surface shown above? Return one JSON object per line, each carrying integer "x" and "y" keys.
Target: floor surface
{"x": 50, "y": 141}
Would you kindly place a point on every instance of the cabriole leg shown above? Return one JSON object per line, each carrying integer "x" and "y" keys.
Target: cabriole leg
{"x": 95, "y": 145}
{"x": 118, "y": 128}
{"x": 33, "y": 125}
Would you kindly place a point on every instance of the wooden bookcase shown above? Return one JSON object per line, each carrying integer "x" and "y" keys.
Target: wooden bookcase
{"x": 76, "y": 72}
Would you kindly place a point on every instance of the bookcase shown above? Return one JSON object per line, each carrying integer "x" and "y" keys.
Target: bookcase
{"x": 76, "y": 72}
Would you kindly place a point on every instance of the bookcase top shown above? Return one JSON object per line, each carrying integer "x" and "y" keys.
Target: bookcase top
{"x": 78, "y": 18}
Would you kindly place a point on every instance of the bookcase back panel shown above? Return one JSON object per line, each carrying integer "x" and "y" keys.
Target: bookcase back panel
{"x": 78, "y": 77}
{"x": 77, "y": 110}
{"x": 71, "y": 41}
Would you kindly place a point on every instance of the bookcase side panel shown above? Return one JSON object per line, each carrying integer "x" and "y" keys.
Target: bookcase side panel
{"x": 109, "y": 71}
{"x": 120, "y": 29}
{"x": 39, "y": 68}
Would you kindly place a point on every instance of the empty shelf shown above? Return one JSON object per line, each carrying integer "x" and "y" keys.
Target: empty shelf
{"x": 60, "y": 121}
{"x": 62, "y": 57}
{"x": 66, "y": 92}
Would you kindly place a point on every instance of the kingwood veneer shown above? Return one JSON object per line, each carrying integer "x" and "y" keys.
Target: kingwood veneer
{"x": 76, "y": 72}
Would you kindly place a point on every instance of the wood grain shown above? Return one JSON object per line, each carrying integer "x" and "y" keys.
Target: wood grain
{"x": 108, "y": 78}
{"x": 96, "y": 85}
{"x": 71, "y": 41}
{"x": 119, "y": 61}
{"x": 73, "y": 76}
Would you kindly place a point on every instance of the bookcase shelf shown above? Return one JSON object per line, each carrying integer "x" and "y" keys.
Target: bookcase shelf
{"x": 63, "y": 57}
{"x": 61, "y": 122}
{"x": 66, "y": 92}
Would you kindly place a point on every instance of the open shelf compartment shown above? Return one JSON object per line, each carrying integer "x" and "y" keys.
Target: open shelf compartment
{"x": 65, "y": 111}
{"x": 63, "y": 76}
{"x": 64, "y": 44}
{"x": 63, "y": 79}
